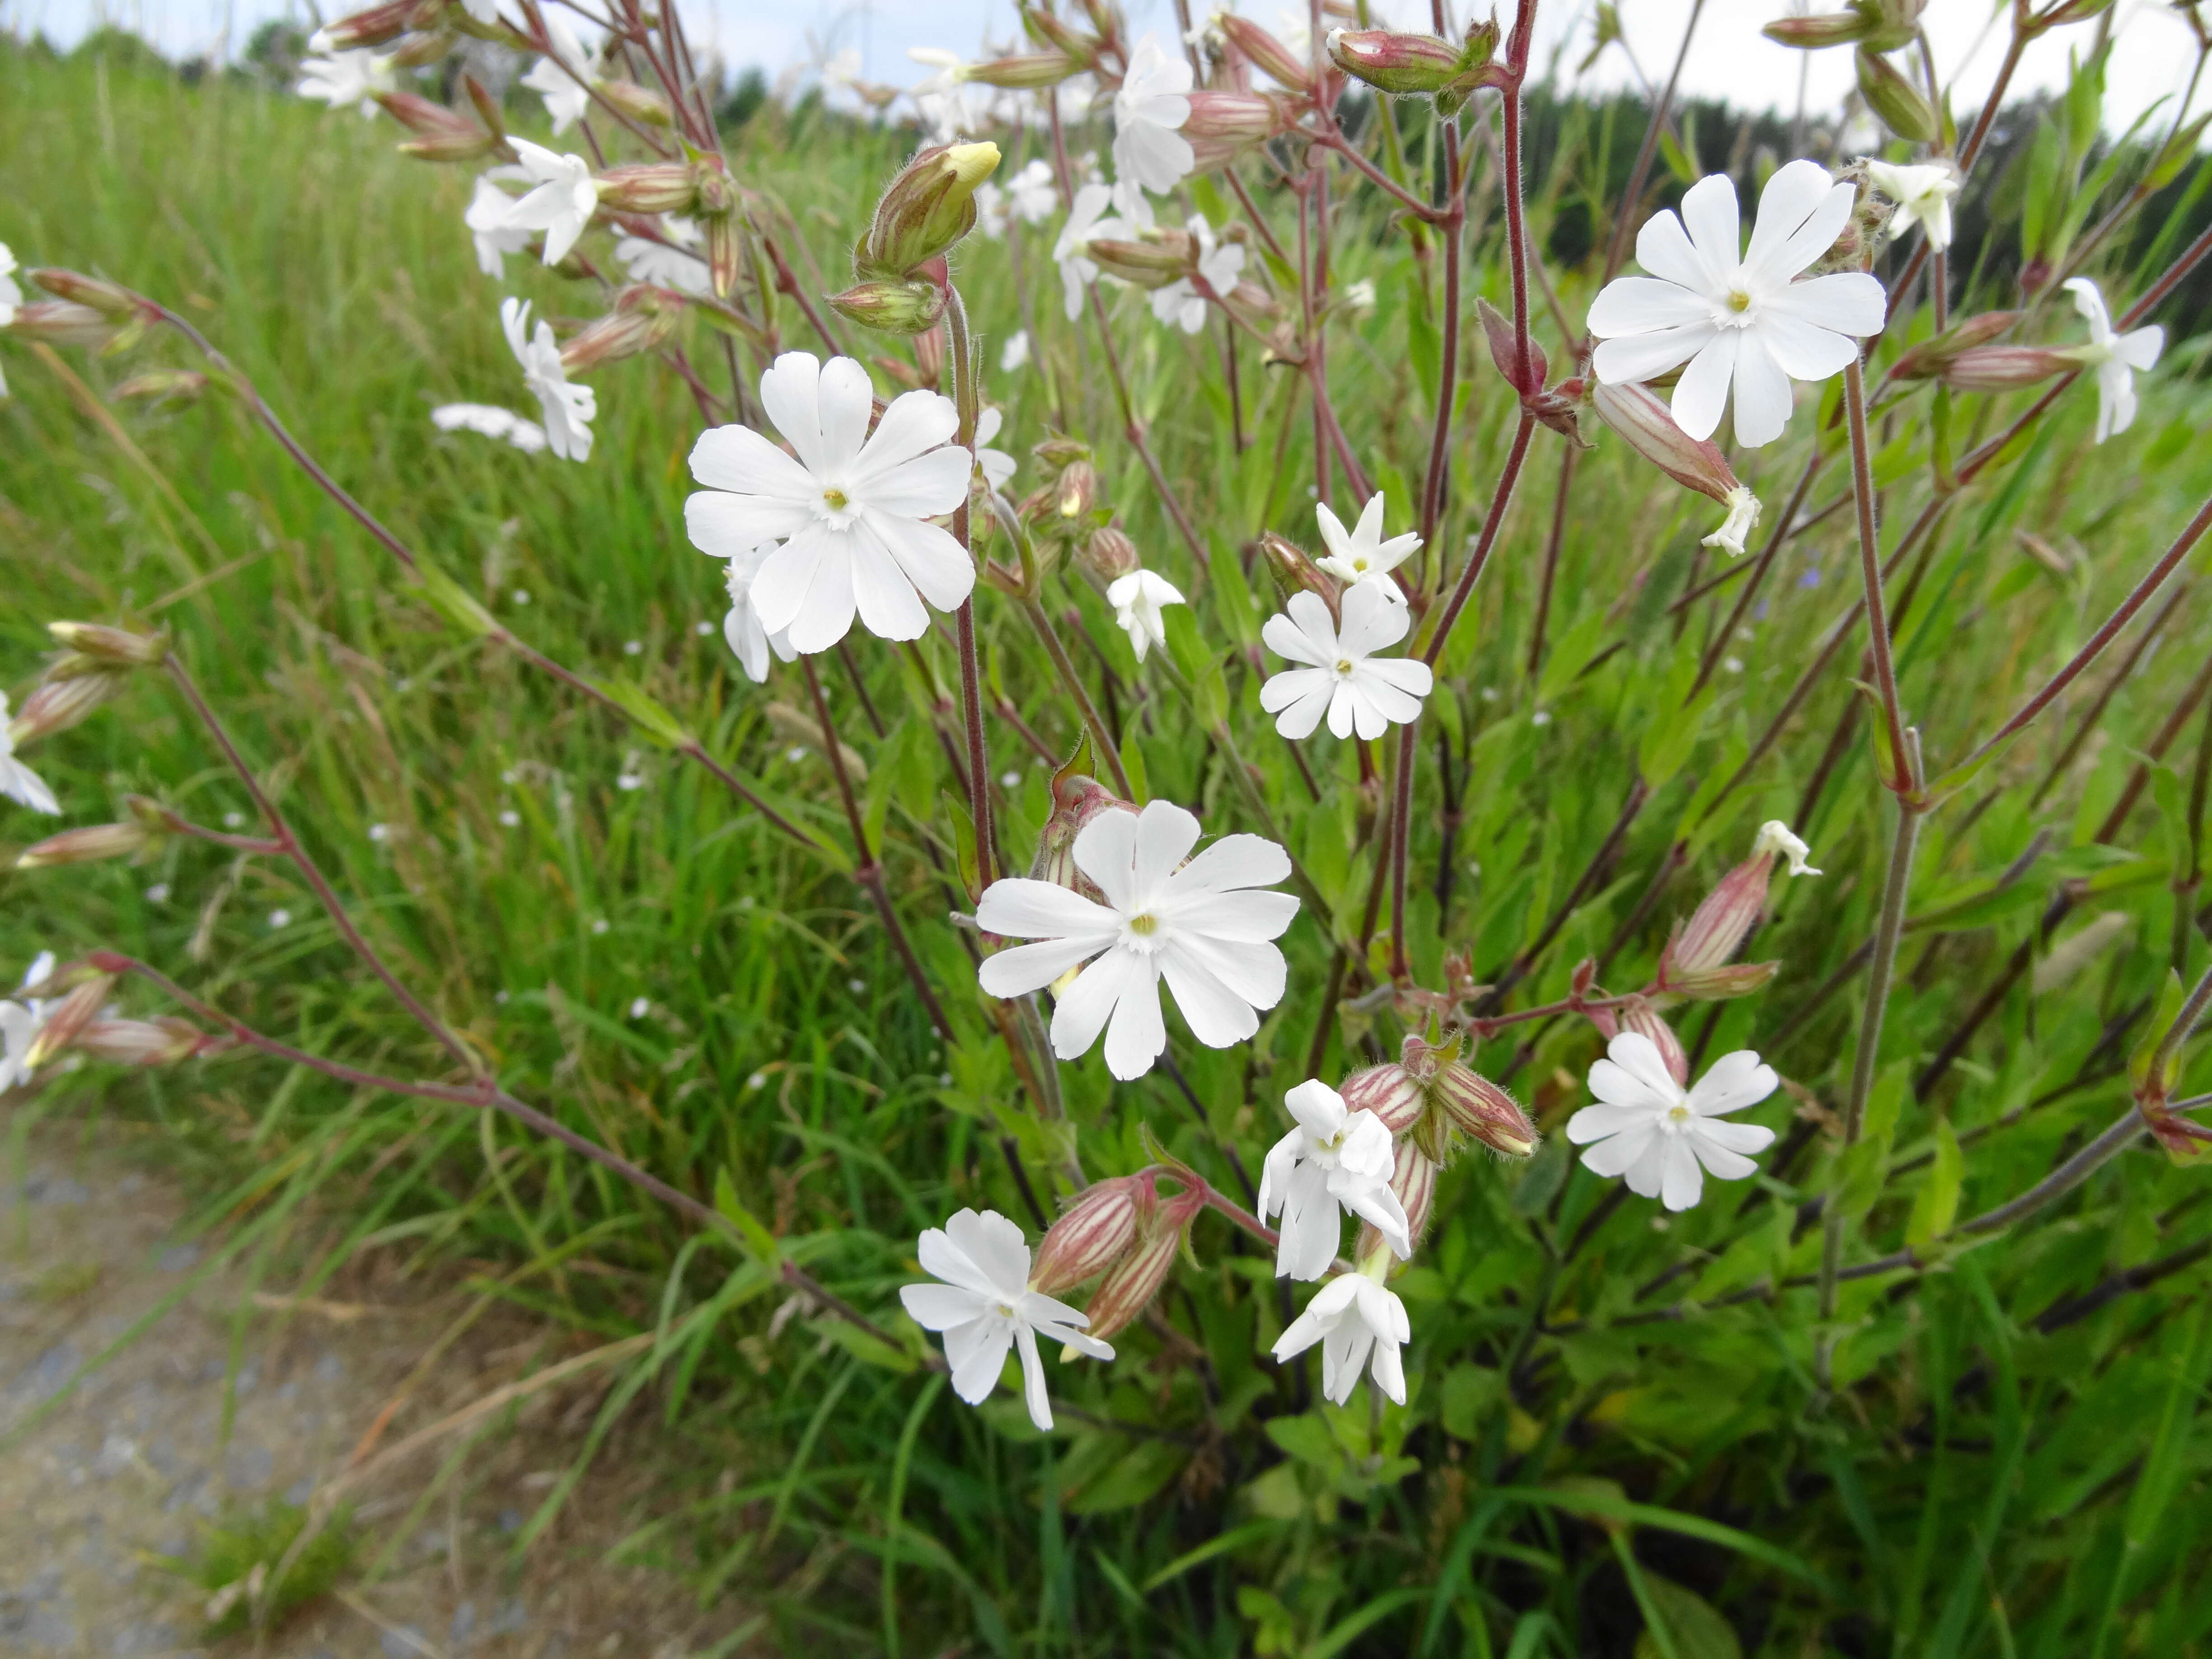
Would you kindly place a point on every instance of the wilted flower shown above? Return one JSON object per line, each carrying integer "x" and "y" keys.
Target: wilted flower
{"x": 569, "y": 409}
{"x": 2115, "y": 357}
{"x": 1656, "y": 1134}
{"x": 1137, "y": 598}
{"x": 563, "y": 79}
{"x": 1205, "y": 926}
{"x": 1358, "y": 692}
{"x": 18, "y": 781}
{"x": 1353, "y": 1317}
{"x": 1775, "y": 836}
{"x": 562, "y": 204}
{"x": 1335, "y": 1159}
{"x": 852, "y": 513}
{"x": 1360, "y": 554}
{"x": 985, "y": 1307}
{"x": 346, "y": 77}
{"x": 1923, "y": 194}
{"x": 1219, "y": 265}
{"x": 1742, "y": 518}
{"x": 1149, "y": 110}
{"x": 1739, "y": 314}
{"x": 490, "y": 220}
{"x": 492, "y": 422}
{"x": 140, "y": 1041}
{"x": 742, "y": 627}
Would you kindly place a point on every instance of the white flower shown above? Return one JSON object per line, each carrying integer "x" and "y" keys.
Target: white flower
{"x": 1737, "y": 313}
{"x": 1207, "y": 928}
{"x": 20, "y": 1022}
{"x": 2116, "y": 358}
{"x": 1742, "y": 518}
{"x": 950, "y": 115}
{"x": 997, "y": 465}
{"x": 742, "y": 627}
{"x": 569, "y": 409}
{"x": 990, "y": 211}
{"x": 561, "y": 79}
{"x": 1657, "y": 1134}
{"x": 951, "y": 72}
{"x": 1335, "y": 1159}
{"x": 490, "y": 220}
{"x": 1358, "y": 692}
{"x": 1921, "y": 193}
{"x": 492, "y": 422}
{"x": 346, "y": 77}
{"x": 984, "y": 1306}
{"x": 1137, "y": 598}
{"x": 1086, "y": 218}
{"x": 1034, "y": 193}
{"x": 10, "y": 295}
{"x": 669, "y": 263}
{"x": 1181, "y": 302}
{"x": 1775, "y": 836}
{"x": 852, "y": 511}
{"x": 1015, "y": 355}
{"x": 18, "y": 781}
{"x": 1361, "y": 296}
{"x": 1360, "y": 554}
{"x": 563, "y": 201}
{"x": 1352, "y": 1317}
{"x": 1148, "y": 110}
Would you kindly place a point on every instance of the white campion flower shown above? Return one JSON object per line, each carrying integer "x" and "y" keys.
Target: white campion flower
{"x": 1361, "y": 296}
{"x": 997, "y": 465}
{"x": 1923, "y": 194}
{"x": 11, "y": 297}
{"x": 490, "y": 220}
{"x": 1743, "y": 510}
{"x": 669, "y": 263}
{"x": 1219, "y": 266}
{"x": 1137, "y": 598}
{"x": 491, "y": 421}
{"x": 1735, "y": 313}
{"x": 1361, "y": 1326}
{"x": 18, "y": 781}
{"x": 1652, "y": 1131}
{"x": 1015, "y": 355}
{"x": 21, "y": 1021}
{"x": 563, "y": 200}
{"x": 1775, "y": 836}
{"x": 1341, "y": 676}
{"x": 951, "y": 71}
{"x": 340, "y": 78}
{"x": 1086, "y": 217}
{"x": 852, "y": 513}
{"x": 569, "y": 409}
{"x": 1206, "y": 926}
{"x": 742, "y": 628}
{"x": 563, "y": 77}
{"x": 993, "y": 215}
{"x": 1149, "y": 110}
{"x": 2115, "y": 357}
{"x": 1033, "y": 193}
{"x": 1335, "y": 1159}
{"x": 1360, "y": 555}
{"x": 984, "y": 1307}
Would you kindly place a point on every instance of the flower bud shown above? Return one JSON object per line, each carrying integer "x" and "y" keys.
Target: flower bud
{"x": 1903, "y": 107}
{"x": 1482, "y": 1111}
{"x": 1931, "y": 356}
{"x": 1076, "y": 799}
{"x": 86, "y": 846}
{"x": 2003, "y": 368}
{"x": 1413, "y": 1179}
{"x": 1223, "y": 126}
{"x": 640, "y": 104}
{"x": 1274, "y": 59}
{"x": 1390, "y": 1092}
{"x": 649, "y": 187}
{"x": 1637, "y": 1014}
{"x": 59, "y": 704}
{"x": 1077, "y": 492}
{"x": 929, "y": 207}
{"x": 1108, "y": 554}
{"x": 1651, "y": 430}
{"x": 66, "y": 1018}
{"x": 155, "y": 385}
{"x": 1128, "y": 1288}
{"x": 160, "y": 1041}
{"x": 1827, "y": 28}
{"x": 1294, "y": 569}
{"x": 1056, "y": 453}
{"x": 1024, "y": 71}
{"x": 641, "y": 321}
{"x": 892, "y": 305}
{"x": 1404, "y": 65}
{"x": 376, "y": 25}
{"x": 62, "y": 322}
{"x": 1159, "y": 258}
{"x": 419, "y": 50}
{"x": 2073, "y": 11}
{"x": 1716, "y": 927}
{"x": 440, "y": 134}
{"x": 120, "y": 645}
{"x": 725, "y": 249}
{"x": 1505, "y": 352}
{"x": 106, "y": 298}
{"x": 1093, "y": 1233}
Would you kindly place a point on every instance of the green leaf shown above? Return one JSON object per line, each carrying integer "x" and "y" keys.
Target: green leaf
{"x": 654, "y": 722}
{"x": 1694, "y": 1626}
{"x": 1937, "y": 1205}
{"x": 2170, "y": 997}
{"x": 449, "y": 598}
{"x": 1132, "y": 1478}
{"x": 1593, "y": 1500}
{"x": 868, "y": 1350}
{"x": 1570, "y": 656}
{"x": 759, "y": 1241}
{"x": 1232, "y": 594}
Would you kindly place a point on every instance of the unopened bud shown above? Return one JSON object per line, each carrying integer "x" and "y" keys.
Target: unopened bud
{"x": 1076, "y": 493}
{"x": 641, "y": 321}
{"x": 59, "y": 704}
{"x": 1505, "y": 352}
{"x": 892, "y": 305}
{"x": 62, "y": 322}
{"x": 157, "y": 385}
{"x": 1274, "y": 58}
{"x": 1482, "y": 1111}
{"x": 419, "y": 50}
{"x": 1108, "y": 554}
{"x": 162, "y": 1042}
{"x": 1294, "y": 569}
{"x": 1024, "y": 72}
{"x": 649, "y": 187}
{"x": 1390, "y": 1092}
{"x": 2003, "y": 369}
{"x": 1056, "y": 453}
{"x": 1903, "y": 107}
{"x": 929, "y": 207}
{"x": 1413, "y": 1180}
{"x": 1716, "y": 929}
{"x": 1076, "y": 799}
{"x": 86, "y": 846}
{"x": 376, "y": 25}
{"x": 103, "y": 643}
{"x": 1128, "y": 1288}
{"x": 1222, "y": 126}
{"x": 1405, "y": 64}
{"x": 65, "y": 1018}
{"x": 725, "y": 251}
{"x": 1932, "y": 356}
{"x": 1153, "y": 260}
{"x": 1827, "y": 28}
{"x": 1093, "y": 1233}
{"x": 1637, "y": 1014}
{"x": 1649, "y": 428}
{"x": 640, "y": 104}
{"x": 105, "y": 297}
{"x": 2074, "y": 11}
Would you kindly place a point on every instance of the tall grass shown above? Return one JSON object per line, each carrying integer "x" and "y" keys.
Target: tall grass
{"x": 1609, "y": 1446}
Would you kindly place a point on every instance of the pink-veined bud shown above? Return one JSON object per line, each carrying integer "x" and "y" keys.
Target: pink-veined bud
{"x": 2003, "y": 368}
{"x": 904, "y": 306}
{"x": 67, "y": 1018}
{"x": 1649, "y": 427}
{"x": 1505, "y": 352}
{"x": 1093, "y": 1233}
{"x": 649, "y": 187}
{"x": 87, "y": 845}
{"x": 641, "y": 321}
{"x": 1108, "y": 554}
{"x": 725, "y": 249}
{"x": 1405, "y": 64}
{"x": 157, "y": 385}
{"x": 640, "y": 104}
{"x": 109, "y": 299}
{"x": 1638, "y": 1015}
{"x": 928, "y": 208}
{"x": 420, "y": 49}
{"x": 1903, "y": 107}
{"x": 1711, "y": 938}
{"x": 1224, "y": 126}
{"x": 1076, "y": 799}
{"x": 1153, "y": 259}
{"x": 376, "y": 25}
{"x": 59, "y": 704}
{"x": 1819, "y": 29}
{"x": 1931, "y": 356}
{"x": 1480, "y": 1110}
{"x": 1077, "y": 492}
{"x": 1128, "y": 1288}
{"x": 440, "y": 134}
{"x": 1389, "y": 1090}
{"x": 1295, "y": 569}
{"x": 61, "y": 322}
{"x": 1413, "y": 1179}
{"x": 162, "y": 1042}
{"x": 1275, "y": 59}
{"x": 104, "y": 643}
{"x": 1024, "y": 71}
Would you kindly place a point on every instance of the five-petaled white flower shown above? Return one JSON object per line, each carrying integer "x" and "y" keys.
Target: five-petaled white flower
{"x": 563, "y": 200}
{"x": 1358, "y": 692}
{"x": 1732, "y": 313}
{"x": 20, "y": 1024}
{"x": 492, "y": 422}
{"x": 1182, "y": 303}
{"x": 852, "y": 511}
{"x": 1651, "y": 1130}
{"x": 1087, "y": 218}
{"x": 1137, "y": 598}
{"x": 1015, "y": 355}
{"x": 1923, "y": 195}
{"x": 1034, "y": 193}
{"x": 669, "y": 263}
{"x": 18, "y": 781}
{"x": 346, "y": 77}
{"x": 490, "y": 220}
{"x": 563, "y": 77}
{"x": 1207, "y": 928}
{"x": 11, "y": 297}
{"x": 1360, "y": 554}
{"x": 1775, "y": 836}
{"x": 996, "y": 465}
{"x": 569, "y": 409}
{"x": 1335, "y": 1159}
{"x": 1352, "y": 1317}
{"x": 1148, "y": 110}
{"x": 742, "y": 627}
{"x": 2115, "y": 357}
{"x": 984, "y": 1306}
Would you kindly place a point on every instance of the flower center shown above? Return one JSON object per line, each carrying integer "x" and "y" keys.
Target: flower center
{"x": 835, "y": 500}
{"x": 1677, "y": 1116}
{"x": 1344, "y": 666}
{"x": 1144, "y": 924}
{"x": 1738, "y": 301}
{"x": 1004, "y": 1309}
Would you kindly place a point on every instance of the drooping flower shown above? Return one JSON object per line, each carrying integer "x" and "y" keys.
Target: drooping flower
{"x": 21, "y": 1021}
{"x": 1742, "y": 518}
{"x": 1361, "y": 1326}
{"x": 1148, "y": 110}
{"x": 1923, "y": 194}
{"x": 346, "y": 77}
{"x": 490, "y": 220}
{"x": 1336, "y": 1159}
{"x": 1086, "y": 217}
{"x": 18, "y": 781}
{"x": 1360, "y": 554}
{"x": 569, "y": 409}
{"x": 1357, "y": 690}
{"x": 1182, "y": 303}
{"x": 1655, "y": 1132}
{"x": 1137, "y": 598}
{"x": 1775, "y": 836}
{"x": 1737, "y": 314}
{"x": 742, "y": 627}
{"x": 852, "y": 513}
{"x": 997, "y": 465}
{"x": 562, "y": 202}
{"x": 984, "y": 1307}
{"x": 1015, "y": 355}
{"x": 669, "y": 263}
{"x": 1207, "y": 928}
{"x": 492, "y": 422}
{"x": 2115, "y": 357}
{"x": 563, "y": 78}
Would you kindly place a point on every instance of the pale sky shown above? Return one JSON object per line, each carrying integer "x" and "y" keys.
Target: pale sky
{"x": 1731, "y": 61}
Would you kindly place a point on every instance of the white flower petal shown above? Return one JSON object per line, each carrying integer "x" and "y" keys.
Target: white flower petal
{"x": 1702, "y": 393}
{"x": 1763, "y": 396}
{"x": 1710, "y": 213}
{"x": 1640, "y": 305}
{"x": 1635, "y": 358}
